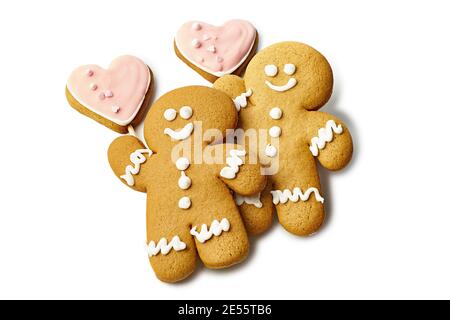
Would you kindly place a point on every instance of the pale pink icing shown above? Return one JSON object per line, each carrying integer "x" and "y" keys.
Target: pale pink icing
{"x": 222, "y": 49}
{"x": 121, "y": 87}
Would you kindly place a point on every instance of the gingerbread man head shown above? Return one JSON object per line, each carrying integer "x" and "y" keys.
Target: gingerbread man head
{"x": 290, "y": 73}
{"x": 190, "y": 208}
{"x": 185, "y": 114}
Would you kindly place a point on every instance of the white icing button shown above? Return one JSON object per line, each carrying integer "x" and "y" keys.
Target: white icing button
{"x": 184, "y": 182}
{"x": 108, "y": 94}
{"x": 196, "y": 43}
{"x": 184, "y": 203}
{"x": 115, "y": 109}
{"x": 170, "y": 114}
{"x": 196, "y": 26}
{"x": 182, "y": 163}
{"x": 271, "y": 151}
{"x": 271, "y": 70}
{"x": 276, "y": 113}
{"x": 186, "y": 112}
{"x": 289, "y": 69}
{"x": 275, "y": 131}
{"x": 211, "y": 49}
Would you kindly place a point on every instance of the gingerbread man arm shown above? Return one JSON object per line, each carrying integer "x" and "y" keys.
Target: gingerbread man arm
{"x": 129, "y": 159}
{"x": 329, "y": 140}
{"x": 234, "y": 87}
{"x": 237, "y": 168}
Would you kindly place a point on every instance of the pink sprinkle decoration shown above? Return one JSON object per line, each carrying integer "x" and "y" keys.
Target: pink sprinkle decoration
{"x": 89, "y": 73}
{"x": 196, "y": 26}
{"x": 108, "y": 94}
{"x": 196, "y": 43}
{"x": 101, "y": 96}
{"x": 93, "y": 86}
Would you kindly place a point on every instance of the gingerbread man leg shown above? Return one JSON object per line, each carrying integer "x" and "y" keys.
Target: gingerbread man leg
{"x": 298, "y": 198}
{"x": 220, "y": 235}
{"x": 256, "y": 210}
{"x": 172, "y": 252}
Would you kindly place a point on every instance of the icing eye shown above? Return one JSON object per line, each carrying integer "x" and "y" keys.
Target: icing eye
{"x": 186, "y": 112}
{"x": 289, "y": 69}
{"x": 170, "y": 114}
{"x": 270, "y": 70}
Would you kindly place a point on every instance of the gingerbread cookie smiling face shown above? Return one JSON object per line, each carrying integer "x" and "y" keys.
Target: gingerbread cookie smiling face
{"x": 288, "y": 81}
{"x": 216, "y": 51}
{"x": 190, "y": 209}
{"x": 115, "y": 97}
{"x": 299, "y": 74}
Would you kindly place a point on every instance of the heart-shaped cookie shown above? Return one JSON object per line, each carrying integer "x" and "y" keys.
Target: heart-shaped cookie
{"x": 115, "y": 97}
{"x": 216, "y": 51}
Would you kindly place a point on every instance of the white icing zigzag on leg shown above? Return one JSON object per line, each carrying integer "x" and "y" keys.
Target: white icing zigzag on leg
{"x": 164, "y": 247}
{"x": 254, "y": 200}
{"x": 325, "y": 135}
{"x": 296, "y": 194}
{"x": 216, "y": 229}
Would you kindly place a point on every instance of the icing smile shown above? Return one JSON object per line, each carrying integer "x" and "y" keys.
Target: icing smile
{"x": 181, "y": 134}
{"x": 289, "y": 85}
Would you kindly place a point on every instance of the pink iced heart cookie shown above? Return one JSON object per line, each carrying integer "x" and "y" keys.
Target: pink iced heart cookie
{"x": 216, "y": 51}
{"x": 115, "y": 97}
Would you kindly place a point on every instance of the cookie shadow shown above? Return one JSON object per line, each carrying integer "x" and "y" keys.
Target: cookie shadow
{"x": 253, "y": 251}
{"x": 332, "y": 107}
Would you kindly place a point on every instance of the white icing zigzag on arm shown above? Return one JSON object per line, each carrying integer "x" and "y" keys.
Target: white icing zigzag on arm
{"x": 164, "y": 247}
{"x": 241, "y": 100}
{"x": 216, "y": 229}
{"x": 325, "y": 135}
{"x": 234, "y": 162}
{"x": 254, "y": 200}
{"x": 279, "y": 196}
{"x": 137, "y": 158}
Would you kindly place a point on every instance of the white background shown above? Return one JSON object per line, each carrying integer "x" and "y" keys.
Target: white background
{"x": 70, "y": 229}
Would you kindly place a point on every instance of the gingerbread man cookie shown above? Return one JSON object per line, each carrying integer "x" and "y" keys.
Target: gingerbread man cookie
{"x": 190, "y": 208}
{"x": 283, "y": 87}
{"x": 116, "y": 97}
